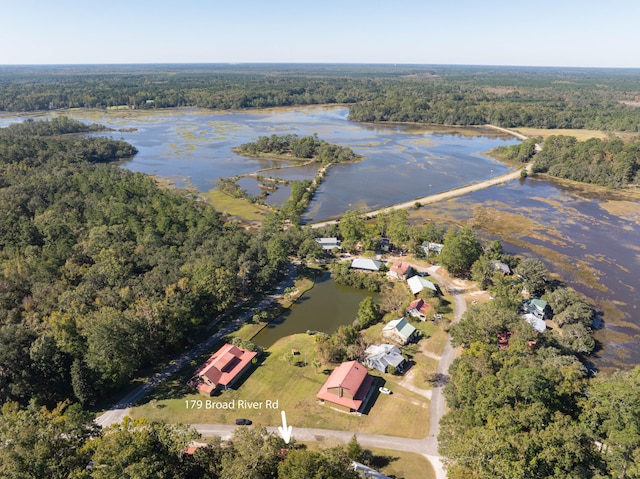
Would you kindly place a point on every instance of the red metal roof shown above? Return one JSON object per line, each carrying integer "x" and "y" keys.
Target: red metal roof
{"x": 347, "y": 386}
{"x": 222, "y": 367}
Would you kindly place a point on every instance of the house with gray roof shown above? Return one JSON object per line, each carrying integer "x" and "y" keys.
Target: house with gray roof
{"x": 329, "y": 243}
{"x": 366, "y": 264}
{"x": 381, "y": 356}
{"x": 399, "y": 331}
{"x": 536, "y": 311}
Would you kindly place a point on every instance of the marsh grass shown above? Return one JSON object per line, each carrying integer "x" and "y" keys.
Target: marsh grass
{"x": 236, "y": 207}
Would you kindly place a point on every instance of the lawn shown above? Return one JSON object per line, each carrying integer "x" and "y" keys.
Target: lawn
{"x": 294, "y": 388}
{"x": 236, "y": 207}
{"x": 401, "y": 465}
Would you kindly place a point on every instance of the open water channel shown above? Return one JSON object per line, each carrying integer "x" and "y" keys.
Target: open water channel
{"x": 592, "y": 242}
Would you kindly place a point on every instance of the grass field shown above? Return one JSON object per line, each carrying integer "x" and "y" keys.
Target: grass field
{"x": 236, "y": 207}
{"x": 294, "y": 387}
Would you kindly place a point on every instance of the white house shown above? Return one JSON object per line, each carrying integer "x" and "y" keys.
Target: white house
{"x": 431, "y": 248}
{"x": 418, "y": 283}
{"x": 329, "y": 243}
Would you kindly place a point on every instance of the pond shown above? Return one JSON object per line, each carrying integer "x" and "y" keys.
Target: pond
{"x": 401, "y": 162}
{"x": 325, "y": 307}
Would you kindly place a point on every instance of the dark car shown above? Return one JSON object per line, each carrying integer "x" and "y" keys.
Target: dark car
{"x": 243, "y": 422}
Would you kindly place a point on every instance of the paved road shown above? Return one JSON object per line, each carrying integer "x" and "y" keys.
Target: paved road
{"x": 122, "y": 408}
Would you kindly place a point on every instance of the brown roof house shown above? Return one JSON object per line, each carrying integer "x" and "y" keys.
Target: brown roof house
{"x": 348, "y": 388}
{"x": 222, "y": 369}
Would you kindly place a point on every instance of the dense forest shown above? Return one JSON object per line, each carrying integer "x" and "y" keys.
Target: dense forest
{"x": 307, "y": 147}
{"x": 522, "y": 404}
{"x": 509, "y": 97}
{"x": 103, "y": 272}
{"x": 66, "y": 443}
{"x": 610, "y": 162}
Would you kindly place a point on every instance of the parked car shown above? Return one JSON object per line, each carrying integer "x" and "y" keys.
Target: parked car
{"x": 384, "y": 390}
{"x": 243, "y": 422}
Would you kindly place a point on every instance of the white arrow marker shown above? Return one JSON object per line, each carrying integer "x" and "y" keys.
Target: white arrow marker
{"x": 285, "y": 431}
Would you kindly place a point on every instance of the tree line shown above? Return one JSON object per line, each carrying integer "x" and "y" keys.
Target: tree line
{"x": 66, "y": 443}
{"x": 609, "y": 162}
{"x": 509, "y": 97}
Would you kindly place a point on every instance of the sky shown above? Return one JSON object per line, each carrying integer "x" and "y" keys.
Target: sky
{"x": 581, "y": 33}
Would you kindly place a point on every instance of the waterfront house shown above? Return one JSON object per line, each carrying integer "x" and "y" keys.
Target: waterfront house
{"x": 348, "y": 388}
{"x": 222, "y": 369}
{"x": 366, "y": 264}
{"x": 399, "y": 331}
{"x": 500, "y": 267}
{"x": 536, "y": 311}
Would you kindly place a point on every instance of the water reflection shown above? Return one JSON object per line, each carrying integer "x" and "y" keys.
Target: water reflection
{"x": 323, "y": 308}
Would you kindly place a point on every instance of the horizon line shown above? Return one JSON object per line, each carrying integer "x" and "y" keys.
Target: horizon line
{"x": 267, "y": 63}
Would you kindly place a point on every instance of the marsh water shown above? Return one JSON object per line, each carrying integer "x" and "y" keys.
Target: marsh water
{"x": 325, "y": 307}
{"x": 401, "y": 162}
{"x": 592, "y": 242}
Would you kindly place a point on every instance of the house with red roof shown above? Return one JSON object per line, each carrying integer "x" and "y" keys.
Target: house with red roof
{"x": 400, "y": 270}
{"x": 222, "y": 369}
{"x": 348, "y": 388}
{"x": 418, "y": 309}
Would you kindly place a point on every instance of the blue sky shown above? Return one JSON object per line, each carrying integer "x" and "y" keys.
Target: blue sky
{"x": 492, "y": 32}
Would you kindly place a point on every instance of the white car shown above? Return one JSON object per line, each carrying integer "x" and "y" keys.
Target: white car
{"x": 384, "y": 390}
